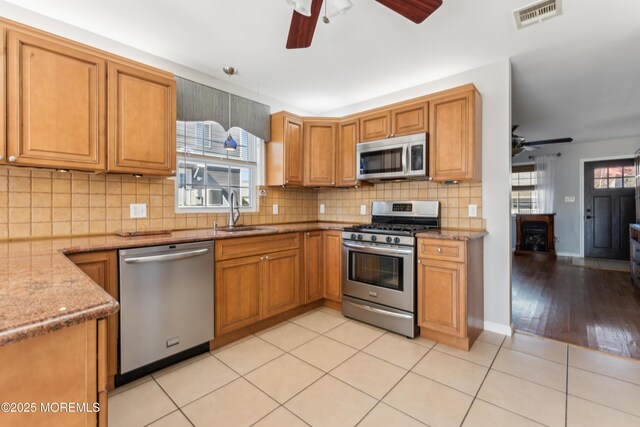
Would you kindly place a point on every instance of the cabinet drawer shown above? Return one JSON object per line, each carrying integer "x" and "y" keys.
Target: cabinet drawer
{"x": 445, "y": 250}
{"x": 258, "y": 245}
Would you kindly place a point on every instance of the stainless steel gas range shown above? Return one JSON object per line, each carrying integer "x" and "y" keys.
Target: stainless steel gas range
{"x": 379, "y": 264}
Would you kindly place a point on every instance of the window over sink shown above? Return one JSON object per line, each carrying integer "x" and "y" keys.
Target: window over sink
{"x": 207, "y": 173}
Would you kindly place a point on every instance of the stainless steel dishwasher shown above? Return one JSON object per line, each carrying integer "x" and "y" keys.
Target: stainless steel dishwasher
{"x": 166, "y": 302}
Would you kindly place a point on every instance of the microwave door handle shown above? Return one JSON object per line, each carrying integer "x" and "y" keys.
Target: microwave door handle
{"x": 405, "y": 154}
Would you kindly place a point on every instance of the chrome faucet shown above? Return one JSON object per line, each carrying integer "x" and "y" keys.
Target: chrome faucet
{"x": 234, "y": 211}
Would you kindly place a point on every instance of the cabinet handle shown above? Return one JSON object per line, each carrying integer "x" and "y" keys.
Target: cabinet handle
{"x": 261, "y": 258}
{"x": 419, "y": 261}
{"x": 1, "y": 157}
{"x": 12, "y": 159}
{"x": 439, "y": 250}
{"x": 173, "y": 172}
{"x": 267, "y": 258}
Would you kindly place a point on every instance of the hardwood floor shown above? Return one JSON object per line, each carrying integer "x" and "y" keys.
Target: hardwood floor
{"x": 592, "y": 308}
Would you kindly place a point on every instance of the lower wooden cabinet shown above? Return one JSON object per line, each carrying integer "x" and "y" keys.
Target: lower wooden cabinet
{"x": 281, "y": 279}
{"x": 238, "y": 287}
{"x": 62, "y": 366}
{"x": 313, "y": 266}
{"x": 252, "y": 288}
{"x": 333, "y": 265}
{"x": 450, "y": 291}
{"x": 102, "y": 268}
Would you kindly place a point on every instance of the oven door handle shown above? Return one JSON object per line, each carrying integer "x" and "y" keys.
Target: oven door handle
{"x": 379, "y": 311}
{"x": 378, "y": 249}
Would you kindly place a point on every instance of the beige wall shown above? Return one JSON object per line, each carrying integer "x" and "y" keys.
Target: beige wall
{"x": 343, "y": 205}
{"x": 42, "y": 203}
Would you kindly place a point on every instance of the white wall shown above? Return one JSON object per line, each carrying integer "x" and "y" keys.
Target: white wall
{"x": 569, "y": 219}
{"x": 494, "y": 83}
{"x": 27, "y": 17}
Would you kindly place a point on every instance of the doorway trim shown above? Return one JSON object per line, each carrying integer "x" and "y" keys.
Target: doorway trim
{"x": 581, "y": 192}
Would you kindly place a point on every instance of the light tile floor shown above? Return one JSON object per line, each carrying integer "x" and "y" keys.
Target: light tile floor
{"x": 603, "y": 264}
{"x": 321, "y": 369}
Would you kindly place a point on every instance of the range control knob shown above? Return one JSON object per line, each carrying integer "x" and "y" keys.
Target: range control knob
{"x": 374, "y": 238}
{"x": 396, "y": 240}
{"x": 359, "y": 236}
{"x": 389, "y": 239}
{"x": 353, "y": 237}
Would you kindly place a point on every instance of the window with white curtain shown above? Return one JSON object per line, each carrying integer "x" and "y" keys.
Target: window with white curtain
{"x": 207, "y": 173}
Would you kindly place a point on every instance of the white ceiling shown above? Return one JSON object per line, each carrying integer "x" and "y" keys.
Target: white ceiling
{"x": 576, "y": 75}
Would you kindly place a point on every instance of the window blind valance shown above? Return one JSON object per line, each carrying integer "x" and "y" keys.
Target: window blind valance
{"x": 198, "y": 102}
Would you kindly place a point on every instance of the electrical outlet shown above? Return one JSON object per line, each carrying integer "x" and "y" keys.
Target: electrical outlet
{"x": 138, "y": 210}
{"x": 321, "y": 207}
{"x": 363, "y": 209}
{"x": 473, "y": 211}
{"x": 569, "y": 199}
{"x": 275, "y": 209}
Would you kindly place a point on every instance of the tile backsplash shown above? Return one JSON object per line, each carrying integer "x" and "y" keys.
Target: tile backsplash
{"x": 42, "y": 203}
{"x": 343, "y": 205}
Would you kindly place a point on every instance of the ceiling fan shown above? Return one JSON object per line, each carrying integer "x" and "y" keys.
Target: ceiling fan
{"x": 520, "y": 144}
{"x": 306, "y": 14}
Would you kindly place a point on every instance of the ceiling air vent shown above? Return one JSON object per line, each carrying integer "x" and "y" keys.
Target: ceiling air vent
{"x": 537, "y": 12}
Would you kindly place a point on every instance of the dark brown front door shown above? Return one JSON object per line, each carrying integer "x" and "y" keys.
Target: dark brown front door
{"x": 609, "y": 193}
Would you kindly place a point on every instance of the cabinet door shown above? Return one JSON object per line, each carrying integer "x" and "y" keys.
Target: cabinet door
{"x": 281, "y": 282}
{"x": 142, "y": 121}
{"x": 442, "y": 296}
{"x": 346, "y": 167}
{"x": 410, "y": 119}
{"x": 293, "y": 151}
{"x": 319, "y": 152}
{"x": 375, "y": 126}
{"x": 313, "y": 266}
{"x": 56, "y": 105}
{"x": 333, "y": 265}
{"x": 454, "y": 143}
{"x": 102, "y": 268}
{"x": 238, "y": 285}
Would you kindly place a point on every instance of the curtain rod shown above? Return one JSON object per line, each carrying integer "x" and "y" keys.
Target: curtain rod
{"x": 533, "y": 157}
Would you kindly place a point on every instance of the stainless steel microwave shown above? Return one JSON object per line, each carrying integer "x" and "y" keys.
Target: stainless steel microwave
{"x": 394, "y": 158}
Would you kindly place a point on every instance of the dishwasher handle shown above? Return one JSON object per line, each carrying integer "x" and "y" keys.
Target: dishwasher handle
{"x": 167, "y": 257}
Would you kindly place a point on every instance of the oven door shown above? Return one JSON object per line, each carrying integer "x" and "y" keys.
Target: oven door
{"x": 379, "y": 273}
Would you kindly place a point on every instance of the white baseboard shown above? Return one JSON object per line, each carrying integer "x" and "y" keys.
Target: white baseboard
{"x": 498, "y": 328}
{"x": 569, "y": 254}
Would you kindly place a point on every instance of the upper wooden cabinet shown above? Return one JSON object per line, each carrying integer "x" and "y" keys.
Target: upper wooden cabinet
{"x": 70, "y": 106}
{"x": 455, "y": 136}
{"x": 142, "y": 121}
{"x": 346, "y": 168}
{"x": 404, "y": 119}
{"x": 375, "y": 126}
{"x": 319, "y": 153}
{"x": 55, "y": 104}
{"x": 284, "y": 153}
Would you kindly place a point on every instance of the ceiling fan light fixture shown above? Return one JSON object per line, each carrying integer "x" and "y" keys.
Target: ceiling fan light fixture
{"x": 338, "y": 7}
{"x": 303, "y": 7}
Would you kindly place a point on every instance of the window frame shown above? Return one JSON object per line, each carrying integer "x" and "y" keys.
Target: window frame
{"x": 255, "y": 169}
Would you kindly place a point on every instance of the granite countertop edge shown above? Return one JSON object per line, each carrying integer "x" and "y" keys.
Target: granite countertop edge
{"x": 19, "y": 327}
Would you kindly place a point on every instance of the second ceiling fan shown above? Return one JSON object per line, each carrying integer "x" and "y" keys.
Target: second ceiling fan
{"x": 306, "y": 14}
{"x": 519, "y": 144}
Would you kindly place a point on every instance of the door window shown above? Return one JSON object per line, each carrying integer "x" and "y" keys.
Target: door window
{"x": 613, "y": 177}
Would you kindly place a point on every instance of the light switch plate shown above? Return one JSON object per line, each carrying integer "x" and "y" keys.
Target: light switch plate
{"x": 275, "y": 209}
{"x": 473, "y": 211}
{"x": 138, "y": 210}
{"x": 321, "y": 207}
{"x": 363, "y": 209}
{"x": 569, "y": 199}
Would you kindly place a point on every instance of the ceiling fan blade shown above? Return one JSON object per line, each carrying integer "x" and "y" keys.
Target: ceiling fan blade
{"x": 513, "y": 128}
{"x": 302, "y": 27}
{"x": 414, "y": 10}
{"x": 550, "y": 141}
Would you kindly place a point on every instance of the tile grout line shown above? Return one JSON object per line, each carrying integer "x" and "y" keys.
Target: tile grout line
{"x": 172, "y": 401}
{"x": 495, "y": 356}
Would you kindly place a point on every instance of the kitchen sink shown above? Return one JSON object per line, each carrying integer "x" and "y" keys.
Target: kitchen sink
{"x": 243, "y": 228}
